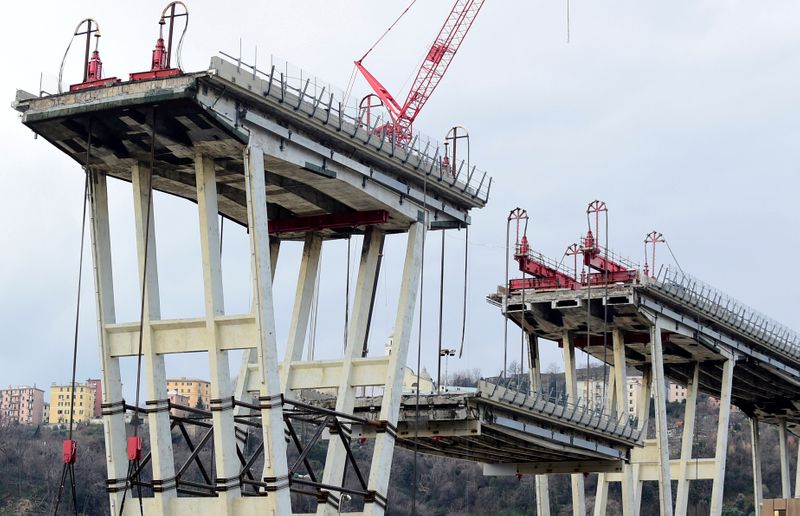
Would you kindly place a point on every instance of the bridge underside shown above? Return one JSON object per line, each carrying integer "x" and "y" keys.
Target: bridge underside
{"x": 766, "y": 380}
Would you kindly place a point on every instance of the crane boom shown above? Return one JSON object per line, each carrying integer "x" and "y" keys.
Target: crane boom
{"x": 430, "y": 73}
{"x": 436, "y": 62}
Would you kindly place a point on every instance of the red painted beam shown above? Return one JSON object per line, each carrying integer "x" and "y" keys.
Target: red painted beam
{"x": 330, "y": 221}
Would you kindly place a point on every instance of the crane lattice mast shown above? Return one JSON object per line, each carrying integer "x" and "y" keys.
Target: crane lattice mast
{"x": 436, "y": 62}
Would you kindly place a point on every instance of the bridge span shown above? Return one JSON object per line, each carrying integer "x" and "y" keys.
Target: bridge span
{"x": 671, "y": 327}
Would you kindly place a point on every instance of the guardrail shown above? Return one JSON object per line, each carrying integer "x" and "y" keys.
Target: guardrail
{"x": 561, "y": 408}
{"x": 329, "y": 106}
{"x": 718, "y": 305}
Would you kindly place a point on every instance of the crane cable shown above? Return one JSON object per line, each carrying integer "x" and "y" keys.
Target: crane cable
{"x": 69, "y": 465}
{"x": 387, "y": 31}
{"x": 466, "y": 278}
{"x": 134, "y": 466}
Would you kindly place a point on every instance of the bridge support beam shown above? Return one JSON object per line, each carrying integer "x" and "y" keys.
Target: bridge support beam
{"x": 682, "y": 500}
{"x": 154, "y": 370}
{"x": 276, "y": 472}
{"x": 225, "y": 458}
{"x": 644, "y": 420}
{"x": 755, "y": 449}
{"x": 371, "y": 250}
{"x": 393, "y": 392}
{"x": 113, "y": 413}
{"x": 578, "y": 493}
{"x": 542, "y": 486}
{"x": 784, "y": 459}
{"x": 660, "y": 387}
{"x": 722, "y": 436}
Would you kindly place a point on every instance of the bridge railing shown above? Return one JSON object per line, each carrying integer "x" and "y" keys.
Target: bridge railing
{"x": 718, "y": 305}
{"x": 564, "y": 409}
{"x": 331, "y": 106}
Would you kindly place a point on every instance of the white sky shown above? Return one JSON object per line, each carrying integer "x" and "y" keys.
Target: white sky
{"x": 682, "y": 116}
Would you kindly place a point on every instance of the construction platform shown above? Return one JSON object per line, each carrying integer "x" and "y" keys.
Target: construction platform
{"x": 699, "y": 325}
{"x": 507, "y": 430}
{"x": 328, "y": 165}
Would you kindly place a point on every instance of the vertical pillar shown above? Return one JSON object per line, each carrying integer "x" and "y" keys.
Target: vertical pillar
{"x": 578, "y": 498}
{"x": 758, "y": 486}
{"x": 660, "y": 386}
{"x": 784, "y": 456}
{"x": 797, "y": 474}
{"x": 687, "y": 441}
{"x": 393, "y": 391}
{"x": 276, "y": 471}
{"x": 154, "y": 371}
{"x": 346, "y": 395}
{"x": 304, "y": 296}
{"x": 225, "y": 458}
{"x": 722, "y": 436}
{"x": 601, "y": 495}
{"x": 535, "y": 374}
{"x": 113, "y": 413}
{"x": 620, "y": 386}
{"x": 643, "y": 413}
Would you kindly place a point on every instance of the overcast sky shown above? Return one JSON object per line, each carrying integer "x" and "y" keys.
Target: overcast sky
{"x": 683, "y": 116}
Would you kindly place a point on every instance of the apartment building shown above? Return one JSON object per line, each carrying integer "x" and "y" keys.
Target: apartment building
{"x": 22, "y": 405}
{"x": 193, "y": 389}
{"x": 60, "y": 397}
{"x": 97, "y": 410}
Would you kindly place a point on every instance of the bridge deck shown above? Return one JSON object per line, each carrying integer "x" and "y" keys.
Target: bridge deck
{"x": 497, "y": 425}
{"x": 209, "y": 112}
{"x": 702, "y": 326}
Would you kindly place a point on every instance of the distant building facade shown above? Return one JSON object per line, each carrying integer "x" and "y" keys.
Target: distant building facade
{"x": 193, "y": 389}
{"x": 98, "y": 396}
{"x": 60, "y": 403}
{"x": 677, "y": 393}
{"x": 22, "y": 405}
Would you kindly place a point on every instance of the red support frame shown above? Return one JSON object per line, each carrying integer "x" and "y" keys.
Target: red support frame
{"x": 329, "y": 221}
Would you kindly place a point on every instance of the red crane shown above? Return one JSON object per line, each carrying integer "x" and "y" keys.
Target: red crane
{"x": 430, "y": 73}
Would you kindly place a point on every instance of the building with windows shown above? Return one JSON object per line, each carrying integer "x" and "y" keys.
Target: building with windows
{"x": 98, "y": 396}
{"x": 198, "y": 392}
{"x": 21, "y": 405}
{"x": 676, "y": 393}
{"x": 61, "y": 397}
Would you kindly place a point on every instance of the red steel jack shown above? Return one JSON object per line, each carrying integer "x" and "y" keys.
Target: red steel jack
{"x": 70, "y": 451}
{"x": 134, "y": 448}
{"x": 93, "y": 66}
{"x": 161, "y": 63}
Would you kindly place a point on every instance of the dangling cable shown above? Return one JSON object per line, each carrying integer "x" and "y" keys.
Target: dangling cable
{"x": 419, "y": 336}
{"x": 70, "y": 447}
{"x": 466, "y": 277}
{"x": 605, "y": 323}
{"x": 88, "y": 33}
{"x": 673, "y": 257}
{"x": 134, "y": 462}
{"x": 441, "y": 310}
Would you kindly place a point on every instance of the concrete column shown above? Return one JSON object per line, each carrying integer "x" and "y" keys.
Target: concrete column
{"x": 578, "y": 497}
{"x": 664, "y": 481}
{"x": 275, "y": 466}
{"x": 113, "y": 415}
{"x": 797, "y": 475}
{"x": 620, "y": 386}
{"x": 346, "y": 395}
{"x": 722, "y": 436}
{"x": 643, "y": 405}
{"x": 225, "y": 459}
{"x": 601, "y": 496}
{"x": 535, "y": 374}
{"x": 687, "y": 441}
{"x": 784, "y": 457}
{"x": 758, "y": 486}
{"x": 393, "y": 391}
{"x": 303, "y": 298}
{"x": 153, "y": 371}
